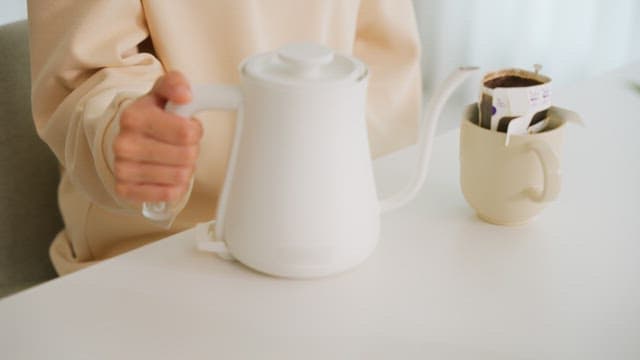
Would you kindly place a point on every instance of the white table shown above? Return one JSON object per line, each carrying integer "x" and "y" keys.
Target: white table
{"x": 441, "y": 285}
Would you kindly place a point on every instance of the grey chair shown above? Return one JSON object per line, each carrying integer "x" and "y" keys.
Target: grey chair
{"x": 29, "y": 175}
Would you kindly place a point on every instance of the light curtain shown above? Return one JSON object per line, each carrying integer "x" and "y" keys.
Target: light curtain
{"x": 572, "y": 39}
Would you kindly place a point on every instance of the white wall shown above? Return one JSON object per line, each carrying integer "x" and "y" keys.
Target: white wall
{"x": 12, "y": 10}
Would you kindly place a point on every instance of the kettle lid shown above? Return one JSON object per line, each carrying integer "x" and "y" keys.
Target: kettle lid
{"x": 304, "y": 63}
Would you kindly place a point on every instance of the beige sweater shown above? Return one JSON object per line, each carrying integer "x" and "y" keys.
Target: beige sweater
{"x": 90, "y": 58}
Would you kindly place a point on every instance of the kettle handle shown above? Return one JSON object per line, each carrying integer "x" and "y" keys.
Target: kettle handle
{"x": 205, "y": 97}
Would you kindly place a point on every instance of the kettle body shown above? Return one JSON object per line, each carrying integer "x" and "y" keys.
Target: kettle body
{"x": 301, "y": 200}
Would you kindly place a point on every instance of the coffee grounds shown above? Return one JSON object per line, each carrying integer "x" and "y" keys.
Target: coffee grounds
{"x": 510, "y": 81}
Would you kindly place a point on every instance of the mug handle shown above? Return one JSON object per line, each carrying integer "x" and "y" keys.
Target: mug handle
{"x": 551, "y": 171}
{"x": 205, "y": 97}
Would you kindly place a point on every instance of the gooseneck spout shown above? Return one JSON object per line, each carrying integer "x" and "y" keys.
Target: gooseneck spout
{"x": 425, "y": 140}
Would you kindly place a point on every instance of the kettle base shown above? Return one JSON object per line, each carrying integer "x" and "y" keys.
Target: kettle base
{"x": 321, "y": 261}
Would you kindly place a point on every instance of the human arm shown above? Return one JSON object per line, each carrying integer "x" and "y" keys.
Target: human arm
{"x": 88, "y": 66}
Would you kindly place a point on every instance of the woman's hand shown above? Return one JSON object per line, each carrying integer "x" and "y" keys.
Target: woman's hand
{"x": 156, "y": 151}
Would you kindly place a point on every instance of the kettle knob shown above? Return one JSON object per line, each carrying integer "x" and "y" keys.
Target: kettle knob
{"x": 304, "y": 58}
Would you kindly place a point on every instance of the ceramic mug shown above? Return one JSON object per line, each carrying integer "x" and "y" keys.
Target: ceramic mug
{"x": 510, "y": 185}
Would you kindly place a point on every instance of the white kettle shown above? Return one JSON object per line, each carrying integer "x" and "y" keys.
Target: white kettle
{"x": 299, "y": 198}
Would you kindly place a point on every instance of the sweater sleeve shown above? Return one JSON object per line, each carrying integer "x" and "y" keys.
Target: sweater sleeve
{"x": 387, "y": 40}
{"x": 87, "y": 63}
